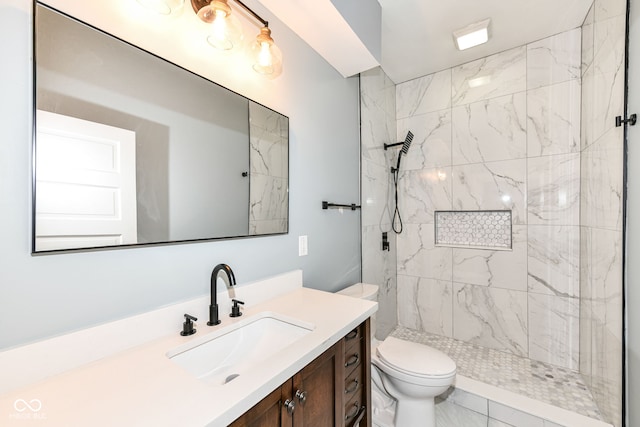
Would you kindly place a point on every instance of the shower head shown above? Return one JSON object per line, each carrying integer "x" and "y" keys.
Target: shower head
{"x": 407, "y": 143}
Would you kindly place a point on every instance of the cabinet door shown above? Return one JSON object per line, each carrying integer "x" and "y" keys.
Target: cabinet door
{"x": 270, "y": 411}
{"x": 318, "y": 391}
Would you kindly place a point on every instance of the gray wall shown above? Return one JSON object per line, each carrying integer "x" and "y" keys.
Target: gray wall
{"x": 633, "y": 227}
{"x": 49, "y": 295}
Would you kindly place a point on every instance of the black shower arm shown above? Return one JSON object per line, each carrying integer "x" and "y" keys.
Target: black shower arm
{"x": 392, "y": 145}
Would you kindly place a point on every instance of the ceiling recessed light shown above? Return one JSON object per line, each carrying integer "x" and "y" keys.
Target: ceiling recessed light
{"x": 472, "y": 35}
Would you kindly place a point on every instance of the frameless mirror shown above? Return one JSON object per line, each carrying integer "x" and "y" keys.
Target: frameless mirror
{"x": 130, "y": 149}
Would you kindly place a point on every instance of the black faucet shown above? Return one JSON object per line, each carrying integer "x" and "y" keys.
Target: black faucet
{"x": 213, "y": 307}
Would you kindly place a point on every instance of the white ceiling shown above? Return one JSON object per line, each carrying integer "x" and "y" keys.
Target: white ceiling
{"x": 417, "y": 34}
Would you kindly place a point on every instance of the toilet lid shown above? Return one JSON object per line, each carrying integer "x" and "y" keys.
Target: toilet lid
{"x": 415, "y": 359}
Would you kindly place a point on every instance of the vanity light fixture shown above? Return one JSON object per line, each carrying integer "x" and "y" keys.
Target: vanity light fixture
{"x": 472, "y": 35}
{"x": 226, "y": 34}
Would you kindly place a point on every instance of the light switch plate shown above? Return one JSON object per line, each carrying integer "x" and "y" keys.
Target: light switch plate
{"x": 303, "y": 248}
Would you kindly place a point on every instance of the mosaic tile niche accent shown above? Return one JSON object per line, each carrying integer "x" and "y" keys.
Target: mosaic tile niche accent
{"x": 473, "y": 229}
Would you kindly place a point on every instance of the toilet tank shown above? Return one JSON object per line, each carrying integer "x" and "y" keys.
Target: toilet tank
{"x": 362, "y": 291}
{"x": 365, "y": 291}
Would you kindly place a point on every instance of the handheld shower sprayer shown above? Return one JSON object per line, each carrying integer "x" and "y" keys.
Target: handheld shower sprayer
{"x": 395, "y": 172}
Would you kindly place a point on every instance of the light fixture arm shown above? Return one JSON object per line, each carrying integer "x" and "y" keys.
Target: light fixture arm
{"x": 199, "y": 4}
{"x": 255, "y": 15}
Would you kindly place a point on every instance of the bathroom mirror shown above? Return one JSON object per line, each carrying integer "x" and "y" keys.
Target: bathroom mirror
{"x": 130, "y": 149}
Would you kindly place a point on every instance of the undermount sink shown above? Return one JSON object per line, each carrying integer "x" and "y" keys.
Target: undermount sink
{"x": 219, "y": 357}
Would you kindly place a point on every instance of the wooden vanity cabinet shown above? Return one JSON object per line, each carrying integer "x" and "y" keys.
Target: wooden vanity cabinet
{"x": 334, "y": 390}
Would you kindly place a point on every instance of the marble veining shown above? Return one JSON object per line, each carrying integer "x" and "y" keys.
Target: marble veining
{"x": 554, "y": 59}
{"x": 496, "y": 269}
{"x": 424, "y": 94}
{"x": 553, "y": 119}
{"x": 554, "y": 189}
{"x": 431, "y": 146}
{"x": 422, "y": 192}
{"x": 554, "y": 260}
{"x": 418, "y": 256}
{"x": 491, "y": 317}
{"x": 491, "y": 186}
{"x": 490, "y": 77}
{"x": 601, "y": 204}
{"x": 554, "y": 330}
{"x": 490, "y": 130}
{"x": 425, "y": 304}
{"x": 587, "y": 40}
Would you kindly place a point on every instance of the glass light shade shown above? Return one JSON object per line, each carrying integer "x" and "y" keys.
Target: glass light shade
{"x": 265, "y": 54}
{"x": 225, "y": 31}
{"x": 162, "y": 7}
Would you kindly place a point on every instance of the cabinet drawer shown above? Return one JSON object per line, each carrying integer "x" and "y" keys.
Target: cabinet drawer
{"x": 353, "y": 408}
{"x": 353, "y": 358}
{"x": 353, "y": 338}
{"x": 353, "y": 383}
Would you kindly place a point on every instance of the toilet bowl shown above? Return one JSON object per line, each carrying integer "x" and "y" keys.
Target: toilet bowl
{"x": 413, "y": 374}
{"x": 406, "y": 376}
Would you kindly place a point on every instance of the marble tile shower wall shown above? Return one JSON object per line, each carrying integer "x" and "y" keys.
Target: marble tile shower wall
{"x": 269, "y": 163}
{"x": 378, "y": 126}
{"x": 502, "y": 132}
{"x": 603, "y": 34}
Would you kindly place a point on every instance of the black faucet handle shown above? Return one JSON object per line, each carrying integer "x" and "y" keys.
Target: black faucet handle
{"x": 187, "y": 326}
{"x": 235, "y": 310}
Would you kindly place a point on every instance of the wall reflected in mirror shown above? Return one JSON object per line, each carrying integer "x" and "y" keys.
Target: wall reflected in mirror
{"x": 131, "y": 149}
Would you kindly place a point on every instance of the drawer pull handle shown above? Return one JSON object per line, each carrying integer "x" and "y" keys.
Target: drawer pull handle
{"x": 302, "y": 396}
{"x": 352, "y": 387}
{"x": 353, "y": 412}
{"x": 290, "y": 405}
{"x": 351, "y": 335}
{"x": 352, "y": 360}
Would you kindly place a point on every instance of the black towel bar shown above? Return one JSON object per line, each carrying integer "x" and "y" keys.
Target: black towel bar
{"x": 327, "y": 205}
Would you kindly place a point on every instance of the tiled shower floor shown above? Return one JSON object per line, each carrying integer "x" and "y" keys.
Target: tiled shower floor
{"x": 541, "y": 381}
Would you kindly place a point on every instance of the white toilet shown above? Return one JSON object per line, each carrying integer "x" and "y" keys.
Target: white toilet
{"x": 406, "y": 376}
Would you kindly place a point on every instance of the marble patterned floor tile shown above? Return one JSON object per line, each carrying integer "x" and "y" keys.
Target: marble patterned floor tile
{"x": 554, "y": 385}
{"x": 491, "y": 186}
{"x": 554, "y": 260}
{"x": 491, "y": 317}
{"x": 491, "y": 77}
{"x": 554, "y": 59}
{"x": 490, "y": 130}
{"x": 554, "y": 189}
{"x": 553, "y": 119}
{"x": 424, "y": 94}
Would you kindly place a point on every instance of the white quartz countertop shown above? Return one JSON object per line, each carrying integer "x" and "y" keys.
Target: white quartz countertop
{"x": 143, "y": 387}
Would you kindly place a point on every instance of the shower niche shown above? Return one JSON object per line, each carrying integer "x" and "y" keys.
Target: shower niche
{"x": 474, "y": 229}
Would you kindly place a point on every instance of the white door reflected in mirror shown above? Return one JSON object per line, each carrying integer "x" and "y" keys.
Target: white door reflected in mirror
{"x": 86, "y": 184}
